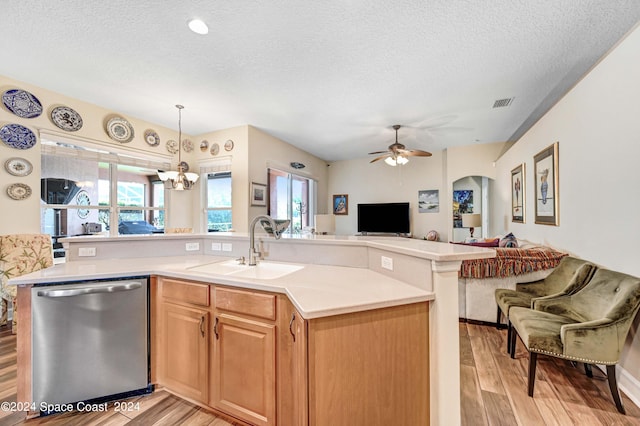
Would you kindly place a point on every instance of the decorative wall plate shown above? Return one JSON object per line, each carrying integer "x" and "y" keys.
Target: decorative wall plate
{"x": 151, "y": 137}
{"x": 19, "y": 191}
{"x": 22, "y": 103}
{"x": 204, "y": 146}
{"x": 228, "y": 145}
{"x": 172, "y": 146}
{"x": 187, "y": 145}
{"x": 17, "y": 136}
{"x": 82, "y": 199}
{"x": 215, "y": 149}
{"x": 66, "y": 118}
{"x": 120, "y": 130}
{"x": 18, "y": 166}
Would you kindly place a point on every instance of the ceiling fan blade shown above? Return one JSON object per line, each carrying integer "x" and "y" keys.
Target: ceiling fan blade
{"x": 417, "y": 153}
{"x": 380, "y": 158}
{"x": 378, "y": 152}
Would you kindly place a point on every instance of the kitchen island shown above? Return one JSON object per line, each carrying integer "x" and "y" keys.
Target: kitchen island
{"x": 343, "y": 286}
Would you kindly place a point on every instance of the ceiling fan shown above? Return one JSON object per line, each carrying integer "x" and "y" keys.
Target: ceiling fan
{"x": 397, "y": 152}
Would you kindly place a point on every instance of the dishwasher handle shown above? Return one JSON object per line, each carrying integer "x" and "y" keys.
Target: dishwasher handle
{"x": 80, "y": 291}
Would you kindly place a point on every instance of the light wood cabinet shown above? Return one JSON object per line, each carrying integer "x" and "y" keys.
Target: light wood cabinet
{"x": 183, "y": 333}
{"x": 244, "y": 374}
{"x": 299, "y": 382}
{"x": 370, "y": 368}
{"x": 251, "y": 355}
{"x": 243, "y": 377}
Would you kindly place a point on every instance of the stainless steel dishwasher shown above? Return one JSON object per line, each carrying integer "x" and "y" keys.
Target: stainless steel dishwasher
{"x": 90, "y": 341}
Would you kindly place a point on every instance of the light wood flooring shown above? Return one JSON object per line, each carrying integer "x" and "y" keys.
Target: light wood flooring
{"x": 493, "y": 392}
{"x": 494, "y": 387}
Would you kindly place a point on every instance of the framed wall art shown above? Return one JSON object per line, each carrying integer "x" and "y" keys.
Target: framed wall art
{"x": 429, "y": 201}
{"x": 462, "y": 204}
{"x": 258, "y": 194}
{"x": 341, "y": 204}
{"x": 518, "y": 194}
{"x": 547, "y": 194}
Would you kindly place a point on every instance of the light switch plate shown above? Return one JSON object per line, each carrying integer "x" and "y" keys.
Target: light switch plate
{"x": 216, "y": 246}
{"x": 86, "y": 251}
{"x": 192, "y": 246}
{"x": 227, "y": 246}
{"x": 387, "y": 263}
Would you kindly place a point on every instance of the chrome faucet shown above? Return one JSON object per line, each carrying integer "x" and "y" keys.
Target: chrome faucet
{"x": 274, "y": 228}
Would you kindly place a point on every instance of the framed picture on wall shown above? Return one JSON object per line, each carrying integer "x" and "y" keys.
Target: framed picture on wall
{"x": 518, "y": 194}
{"x": 258, "y": 194}
{"x": 429, "y": 201}
{"x": 341, "y": 204}
{"x": 462, "y": 204}
{"x": 547, "y": 195}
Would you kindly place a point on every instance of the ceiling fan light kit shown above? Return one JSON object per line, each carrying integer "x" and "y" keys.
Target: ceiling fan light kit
{"x": 397, "y": 153}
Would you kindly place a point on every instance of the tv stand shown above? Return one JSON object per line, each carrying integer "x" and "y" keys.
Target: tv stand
{"x": 383, "y": 234}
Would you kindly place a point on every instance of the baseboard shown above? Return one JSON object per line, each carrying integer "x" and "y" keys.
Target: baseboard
{"x": 629, "y": 385}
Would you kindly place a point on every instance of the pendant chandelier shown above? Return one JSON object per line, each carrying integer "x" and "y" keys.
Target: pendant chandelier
{"x": 181, "y": 179}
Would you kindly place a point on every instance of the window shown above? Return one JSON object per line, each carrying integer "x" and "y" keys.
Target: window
{"x": 291, "y": 197}
{"x": 85, "y": 190}
{"x": 219, "y": 202}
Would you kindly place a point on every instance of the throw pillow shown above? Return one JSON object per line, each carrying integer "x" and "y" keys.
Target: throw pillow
{"x": 509, "y": 241}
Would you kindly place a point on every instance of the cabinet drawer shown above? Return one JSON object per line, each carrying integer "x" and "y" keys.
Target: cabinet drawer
{"x": 180, "y": 291}
{"x": 245, "y": 302}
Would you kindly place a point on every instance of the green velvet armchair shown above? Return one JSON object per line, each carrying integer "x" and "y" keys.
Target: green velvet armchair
{"x": 589, "y": 326}
{"x": 569, "y": 276}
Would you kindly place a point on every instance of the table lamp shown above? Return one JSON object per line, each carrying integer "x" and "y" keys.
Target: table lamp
{"x": 471, "y": 221}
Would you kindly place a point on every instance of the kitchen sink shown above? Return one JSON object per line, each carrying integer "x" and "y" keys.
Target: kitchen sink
{"x": 263, "y": 270}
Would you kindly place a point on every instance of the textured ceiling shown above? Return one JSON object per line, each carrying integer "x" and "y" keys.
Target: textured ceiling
{"x": 330, "y": 77}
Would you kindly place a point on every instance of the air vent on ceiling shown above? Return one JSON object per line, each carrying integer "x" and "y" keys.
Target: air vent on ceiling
{"x": 500, "y": 103}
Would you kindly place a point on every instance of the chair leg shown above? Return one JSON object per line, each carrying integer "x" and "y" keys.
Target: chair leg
{"x": 533, "y": 356}
{"x": 613, "y": 386}
{"x": 512, "y": 341}
{"x": 509, "y": 333}
{"x": 588, "y": 371}
{"x": 498, "y": 319}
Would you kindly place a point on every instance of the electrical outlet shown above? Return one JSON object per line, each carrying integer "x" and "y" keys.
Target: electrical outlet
{"x": 227, "y": 247}
{"x": 387, "y": 263}
{"x": 192, "y": 246}
{"x": 216, "y": 246}
{"x": 86, "y": 251}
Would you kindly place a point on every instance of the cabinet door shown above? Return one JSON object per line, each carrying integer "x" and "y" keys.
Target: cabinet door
{"x": 185, "y": 351}
{"x": 243, "y": 378}
{"x": 298, "y": 330}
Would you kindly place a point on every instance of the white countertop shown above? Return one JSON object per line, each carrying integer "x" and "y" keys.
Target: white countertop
{"x": 315, "y": 290}
{"x": 432, "y": 250}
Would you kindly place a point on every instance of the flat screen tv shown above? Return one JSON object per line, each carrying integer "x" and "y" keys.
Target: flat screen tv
{"x": 383, "y": 218}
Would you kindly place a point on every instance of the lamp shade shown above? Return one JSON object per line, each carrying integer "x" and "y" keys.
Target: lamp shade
{"x": 471, "y": 220}
{"x": 325, "y": 223}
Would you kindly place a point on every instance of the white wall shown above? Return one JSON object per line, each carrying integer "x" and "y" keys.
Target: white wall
{"x": 366, "y": 182}
{"x": 24, "y": 216}
{"x": 267, "y": 151}
{"x": 596, "y": 125}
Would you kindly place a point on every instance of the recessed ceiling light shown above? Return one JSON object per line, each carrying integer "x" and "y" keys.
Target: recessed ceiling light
{"x": 198, "y": 27}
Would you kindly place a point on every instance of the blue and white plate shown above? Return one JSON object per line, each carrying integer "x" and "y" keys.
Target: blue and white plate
{"x": 120, "y": 130}
{"x": 17, "y": 136}
{"x": 66, "y": 118}
{"x": 22, "y": 103}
